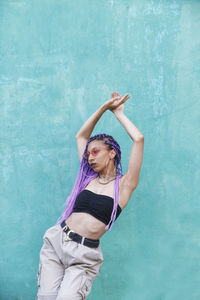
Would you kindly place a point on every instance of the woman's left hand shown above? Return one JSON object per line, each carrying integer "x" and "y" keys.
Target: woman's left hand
{"x": 120, "y": 108}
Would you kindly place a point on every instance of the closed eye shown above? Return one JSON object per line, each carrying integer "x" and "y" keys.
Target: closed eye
{"x": 94, "y": 152}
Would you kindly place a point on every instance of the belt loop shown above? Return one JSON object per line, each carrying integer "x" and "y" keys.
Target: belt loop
{"x": 65, "y": 228}
{"x": 82, "y": 241}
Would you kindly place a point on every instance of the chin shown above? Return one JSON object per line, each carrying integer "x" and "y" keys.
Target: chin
{"x": 96, "y": 169}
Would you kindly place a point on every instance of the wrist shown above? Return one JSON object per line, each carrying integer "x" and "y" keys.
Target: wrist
{"x": 118, "y": 114}
{"x": 103, "y": 107}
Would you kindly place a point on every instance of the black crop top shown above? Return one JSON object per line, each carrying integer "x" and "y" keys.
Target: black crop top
{"x": 97, "y": 205}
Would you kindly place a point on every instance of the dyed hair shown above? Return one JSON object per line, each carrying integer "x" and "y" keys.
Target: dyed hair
{"x": 86, "y": 174}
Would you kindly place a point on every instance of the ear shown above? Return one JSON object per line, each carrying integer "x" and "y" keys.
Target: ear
{"x": 112, "y": 154}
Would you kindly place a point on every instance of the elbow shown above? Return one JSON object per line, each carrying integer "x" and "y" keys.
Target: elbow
{"x": 140, "y": 139}
{"x": 77, "y": 136}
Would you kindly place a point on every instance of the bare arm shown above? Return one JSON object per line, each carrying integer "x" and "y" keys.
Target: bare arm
{"x": 131, "y": 178}
{"x": 84, "y": 133}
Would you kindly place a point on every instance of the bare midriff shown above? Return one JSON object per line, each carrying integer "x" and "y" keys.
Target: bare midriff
{"x": 86, "y": 225}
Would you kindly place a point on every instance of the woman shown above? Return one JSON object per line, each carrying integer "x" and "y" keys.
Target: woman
{"x": 71, "y": 256}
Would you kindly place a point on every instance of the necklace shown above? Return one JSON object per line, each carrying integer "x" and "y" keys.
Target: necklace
{"x": 104, "y": 182}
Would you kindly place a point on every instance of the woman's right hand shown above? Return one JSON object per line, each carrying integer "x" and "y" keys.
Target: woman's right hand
{"x": 115, "y": 102}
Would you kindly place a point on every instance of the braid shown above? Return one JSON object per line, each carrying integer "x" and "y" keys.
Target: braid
{"x": 112, "y": 144}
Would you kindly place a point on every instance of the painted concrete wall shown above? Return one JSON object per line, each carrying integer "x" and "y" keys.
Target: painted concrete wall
{"x": 60, "y": 60}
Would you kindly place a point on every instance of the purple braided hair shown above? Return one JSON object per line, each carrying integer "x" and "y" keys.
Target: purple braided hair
{"x": 86, "y": 174}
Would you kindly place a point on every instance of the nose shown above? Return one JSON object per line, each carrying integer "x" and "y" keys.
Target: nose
{"x": 90, "y": 158}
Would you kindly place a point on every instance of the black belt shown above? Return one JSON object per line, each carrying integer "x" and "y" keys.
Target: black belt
{"x": 71, "y": 235}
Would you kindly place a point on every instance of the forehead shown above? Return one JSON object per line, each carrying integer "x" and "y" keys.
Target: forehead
{"x": 94, "y": 144}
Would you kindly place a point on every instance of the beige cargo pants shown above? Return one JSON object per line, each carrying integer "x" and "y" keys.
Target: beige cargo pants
{"x": 67, "y": 269}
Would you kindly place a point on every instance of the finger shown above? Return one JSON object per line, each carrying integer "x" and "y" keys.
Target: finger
{"x": 117, "y": 98}
{"x": 125, "y": 98}
{"x": 127, "y": 94}
{"x": 113, "y": 94}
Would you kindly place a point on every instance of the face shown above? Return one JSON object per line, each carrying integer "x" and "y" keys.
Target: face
{"x": 99, "y": 155}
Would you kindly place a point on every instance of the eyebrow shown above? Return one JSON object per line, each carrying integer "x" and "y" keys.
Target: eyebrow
{"x": 93, "y": 148}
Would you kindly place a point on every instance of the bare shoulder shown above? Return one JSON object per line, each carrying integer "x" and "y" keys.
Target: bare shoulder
{"x": 125, "y": 192}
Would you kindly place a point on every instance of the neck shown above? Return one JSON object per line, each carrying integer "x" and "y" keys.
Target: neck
{"x": 109, "y": 172}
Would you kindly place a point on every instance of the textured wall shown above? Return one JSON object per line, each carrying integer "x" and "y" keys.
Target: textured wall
{"x": 59, "y": 60}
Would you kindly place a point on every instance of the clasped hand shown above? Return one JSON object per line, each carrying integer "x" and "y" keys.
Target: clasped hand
{"x": 116, "y": 103}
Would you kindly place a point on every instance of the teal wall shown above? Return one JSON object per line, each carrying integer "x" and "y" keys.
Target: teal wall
{"x": 60, "y": 60}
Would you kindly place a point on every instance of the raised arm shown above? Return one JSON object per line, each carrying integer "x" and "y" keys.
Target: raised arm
{"x": 86, "y": 130}
{"x": 131, "y": 178}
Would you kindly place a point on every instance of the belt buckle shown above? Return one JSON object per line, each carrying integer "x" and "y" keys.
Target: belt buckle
{"x": 67, "y": 235}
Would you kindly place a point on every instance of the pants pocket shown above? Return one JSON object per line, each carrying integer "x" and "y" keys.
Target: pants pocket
{"x": 39, "y": 274}
{"x": 86, "y": 285}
